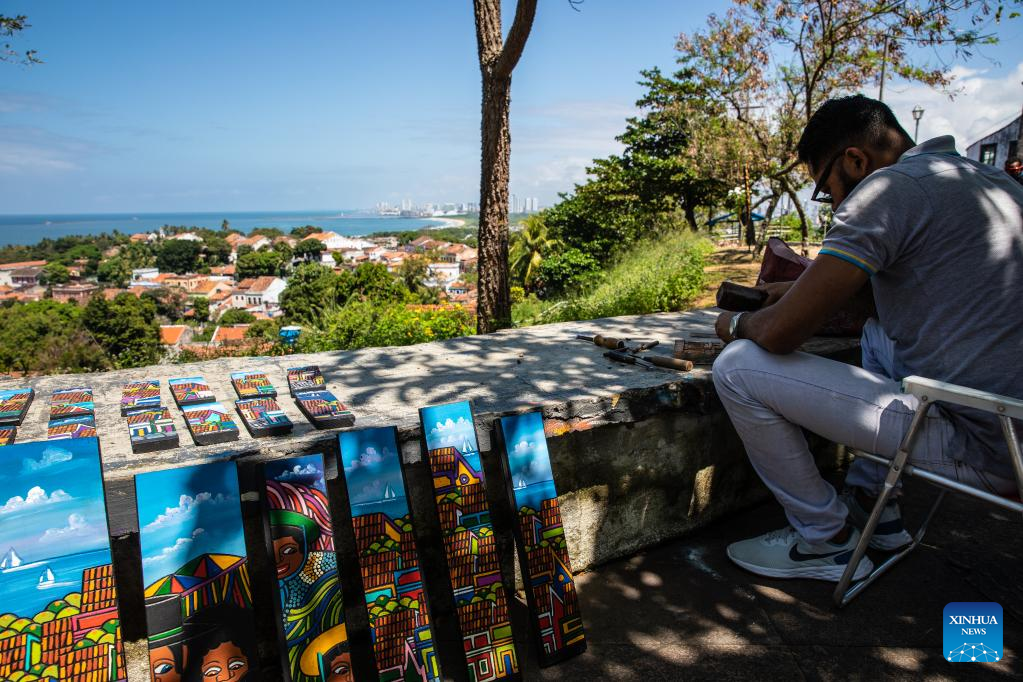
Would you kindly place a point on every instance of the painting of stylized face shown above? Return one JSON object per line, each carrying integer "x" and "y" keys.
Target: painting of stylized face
{"x": 164, "y": 665}
{"x": 225, "y": 663}
{"x": 289, "y": 552}
{"x": 340, "y": 668}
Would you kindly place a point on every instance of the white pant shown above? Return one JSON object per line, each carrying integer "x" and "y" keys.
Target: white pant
{"x": 770, "y": 397}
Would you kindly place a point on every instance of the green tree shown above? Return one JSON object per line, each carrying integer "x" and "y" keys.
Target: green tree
{"x": 47, "y": 336}
{"x": 178, "y": 256}
{"x": 114, "y": 271}
{"x": 311, "y": 291}
{"x": 216, "y": 251}
{"x": 413, "y": 273}
{"x": 269, "y": 232}
{"x": 304, "y": 231}
{"x": 309, "y": 249}
{"x": 264, "y": 330}
{"x": 10, "y": 27}
{"x": 236, "y": 316}
{"x": 258, "y": 264}
{"x": 126, "y": 328}
{"x": 201, "y": 309}
{"x": 372, "y": 282}
{"x": 55, "y": 273}
{"x": 529, "y": 246}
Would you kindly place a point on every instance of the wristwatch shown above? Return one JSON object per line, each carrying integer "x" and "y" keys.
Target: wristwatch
{"x": 733, "y": 325}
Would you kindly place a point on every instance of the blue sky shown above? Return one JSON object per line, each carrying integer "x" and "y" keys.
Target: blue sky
{"x": 449, "y": 425}
{"x": 186, "y": 512}
{"x": 233, "y": 106}
{"x": 372, "y": 463}
{"x": 526, "y": 445}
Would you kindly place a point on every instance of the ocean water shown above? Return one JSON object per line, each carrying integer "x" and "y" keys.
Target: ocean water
{"x": 29, "y": 229}
{"x": 20, "y": 586}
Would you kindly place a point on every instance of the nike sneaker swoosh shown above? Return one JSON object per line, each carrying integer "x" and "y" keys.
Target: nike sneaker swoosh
{"x": 796, "y": 555}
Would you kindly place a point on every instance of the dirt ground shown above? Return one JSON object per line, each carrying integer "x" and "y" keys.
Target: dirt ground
{"x": 731, "y": 262}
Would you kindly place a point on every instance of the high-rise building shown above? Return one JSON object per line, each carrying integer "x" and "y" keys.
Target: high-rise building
{"x": 513, "y": 204}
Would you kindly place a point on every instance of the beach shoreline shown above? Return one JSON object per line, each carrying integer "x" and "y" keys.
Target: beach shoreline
{"x": 446, "y": 222}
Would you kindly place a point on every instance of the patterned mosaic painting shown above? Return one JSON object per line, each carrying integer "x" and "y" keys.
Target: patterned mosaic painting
{"x": 210, "y": 423}
{"x": 302, "y": 379}
{"x": 324, "y": 410}
{"x": 314, "y": 641}
{"x": 263, "y": 417}
{"x": 553, "y": 602}
{"x": 58, "y": 615}
{"x": 8, "y": 434}
{"x": 399, "y": 617}
{"x": 195, "y": 572}
{"x": 469, "y": 543}
{"x": 151, "y": 430}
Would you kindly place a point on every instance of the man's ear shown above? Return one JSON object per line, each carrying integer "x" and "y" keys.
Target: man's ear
{"x": 856, "y": 162}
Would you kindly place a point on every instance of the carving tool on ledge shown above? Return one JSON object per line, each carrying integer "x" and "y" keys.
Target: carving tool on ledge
{"x": 614, "y": 343}
{"x": 650, "y": 361}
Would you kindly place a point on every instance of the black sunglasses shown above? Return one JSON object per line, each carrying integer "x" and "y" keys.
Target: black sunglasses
{"x": 825, "y": 198}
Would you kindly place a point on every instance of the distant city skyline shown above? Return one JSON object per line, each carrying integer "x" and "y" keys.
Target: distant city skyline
{"x": 153, "y": 108}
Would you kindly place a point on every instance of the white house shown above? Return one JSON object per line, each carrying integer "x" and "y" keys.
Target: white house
{"x": 144, "y": 274}
{"x": 336, "y": 242}
{"x": 442, "y": 273}
{"x": 258, "y": 292}
{"x": 187, "y": 236}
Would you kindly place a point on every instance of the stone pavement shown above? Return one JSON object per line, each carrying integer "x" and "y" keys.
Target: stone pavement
{"x": 682, "y": 611}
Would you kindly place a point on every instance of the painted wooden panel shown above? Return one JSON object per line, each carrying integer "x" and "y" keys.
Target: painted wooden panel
{"x": 210, "y": 423}
{"x": 191, "y": 391}
{"x": 540, "y": 536}
{"x": 300, "y": 538}
{"x": 151, "y": 430}
{"x": 56, "y": 576}
{"x": 71, "y": 402}
{"x": 14, "y": 404}
{"x": 252, "y": 385}
{"x": 8, "y": 434}
{"x": 388, "y": 560}
{"x": 140, "y": 394}
{"x": 324, "y": 410}
{"x": 71, "y": 427}
{"x": 195, "y": 574}
{"x": 460, "y": 493}
{"x": 302, "y": 379}
{"x": 263, "y": 417}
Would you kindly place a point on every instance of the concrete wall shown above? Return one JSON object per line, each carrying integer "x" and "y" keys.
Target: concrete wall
{"x": 639, "y": 456}
{"x": 1001, "y": 137}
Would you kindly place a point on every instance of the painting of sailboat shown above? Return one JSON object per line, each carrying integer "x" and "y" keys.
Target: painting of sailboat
{"x": 56, "y": 576}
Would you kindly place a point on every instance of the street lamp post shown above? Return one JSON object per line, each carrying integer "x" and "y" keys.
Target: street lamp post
{"x": 918, "y": 113}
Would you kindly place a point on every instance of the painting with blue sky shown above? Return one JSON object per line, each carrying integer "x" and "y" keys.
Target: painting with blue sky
{"x": 55, "y": 572}
{"x": 451, "y": 425}
{"x": 198, "y": 593}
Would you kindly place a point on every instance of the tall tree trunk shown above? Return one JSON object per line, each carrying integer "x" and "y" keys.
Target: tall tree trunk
{"x": 803, "y": 224}
{"x": 765, "y": 225}
{"x": 497, "y": 61}
{"x": 690, "y": 211}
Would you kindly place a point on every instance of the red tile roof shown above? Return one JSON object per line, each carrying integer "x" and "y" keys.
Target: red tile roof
{"x": 170, "y": 334}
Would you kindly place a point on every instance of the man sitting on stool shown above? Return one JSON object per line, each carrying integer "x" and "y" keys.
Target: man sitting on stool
{"x": 939, "y": 238}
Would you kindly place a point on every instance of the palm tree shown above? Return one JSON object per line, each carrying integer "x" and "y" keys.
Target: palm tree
{"x": 528, "y": 248}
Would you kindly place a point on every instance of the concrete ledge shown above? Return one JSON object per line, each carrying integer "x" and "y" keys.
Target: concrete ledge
{"x": 639, "y": 456}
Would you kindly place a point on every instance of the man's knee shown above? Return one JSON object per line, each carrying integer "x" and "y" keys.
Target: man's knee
{"x": 737, "y": 356}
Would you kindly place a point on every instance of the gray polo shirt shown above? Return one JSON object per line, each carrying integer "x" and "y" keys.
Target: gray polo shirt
{"x": 941, "y": 237}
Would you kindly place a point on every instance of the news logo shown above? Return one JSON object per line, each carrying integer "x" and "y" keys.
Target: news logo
{"x": 972, "y": 632}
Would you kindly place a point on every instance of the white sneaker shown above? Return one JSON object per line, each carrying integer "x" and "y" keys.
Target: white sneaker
{"x": 890, "y": 534}
{"x": 784, "y": 554}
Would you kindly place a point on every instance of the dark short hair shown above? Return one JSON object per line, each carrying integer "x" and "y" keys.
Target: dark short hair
{"x": 1013, "y": 159}
{"x": 847, "y": 122}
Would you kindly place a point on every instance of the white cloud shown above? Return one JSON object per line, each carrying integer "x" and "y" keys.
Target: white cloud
{"x": 455, "y": 432}
{"x": 76, "y": 526}
{"x": 168, "y": 552}
{"x": 51, "y": 455}
{"x": 298, "y": 471}
{"x": 186, "y": 505}
{"x": 35, "y": 497}
{"x": 984, "y": 103}
{"x": 523, "y": 446}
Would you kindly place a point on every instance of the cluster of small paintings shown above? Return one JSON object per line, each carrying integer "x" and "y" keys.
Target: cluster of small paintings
{"x": 14, "y": 404}
{"x": 198, "y": 595}
{"x": 460, "y": 494}
{"x": 321, "y": 407}
{"x": 396, "y": 602}
{"x": 300, "y": 542}
{"x": 59, "y": 616}
{"x": 543, "y": 550}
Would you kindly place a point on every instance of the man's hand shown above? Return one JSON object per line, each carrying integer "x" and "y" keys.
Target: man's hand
{"x": 775, "y": 290}
{"x": 721, "y": 326}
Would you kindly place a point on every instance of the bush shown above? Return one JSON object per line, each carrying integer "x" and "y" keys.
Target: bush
{"x": 565, "y": 271}
{"x": 654, "y": 276}
{"x": 367, "y": 323}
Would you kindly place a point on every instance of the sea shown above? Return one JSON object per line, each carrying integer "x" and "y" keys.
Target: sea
{"x": 30, "y": 229}
{"x": 20, "y": 588}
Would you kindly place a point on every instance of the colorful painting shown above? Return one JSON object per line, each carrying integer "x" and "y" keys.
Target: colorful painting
{"x": 302, "y": 379}
{"x": 399, "y": 618}
{"x": 58, "y": 615}
{"x": 71, "y": 402}
{"x": 71, "y": 427}
{"x": 140, "y": 394}
{"x": 14, "y": 404}
{"x": 323, "y": 410}
{"x": 543, "y": 552}
{"x": 314, "y": 642}
{"x": 210, "y": 423}
{"x": 195, "y": 574}
{"x": 263, "y": 417}
{"x": 8, "y": 434}
{"x": 253, "y": 385}
{"x": 191, "y": 391}
{"x": 151, "y": 430}
{"x": 460, "y": 493}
